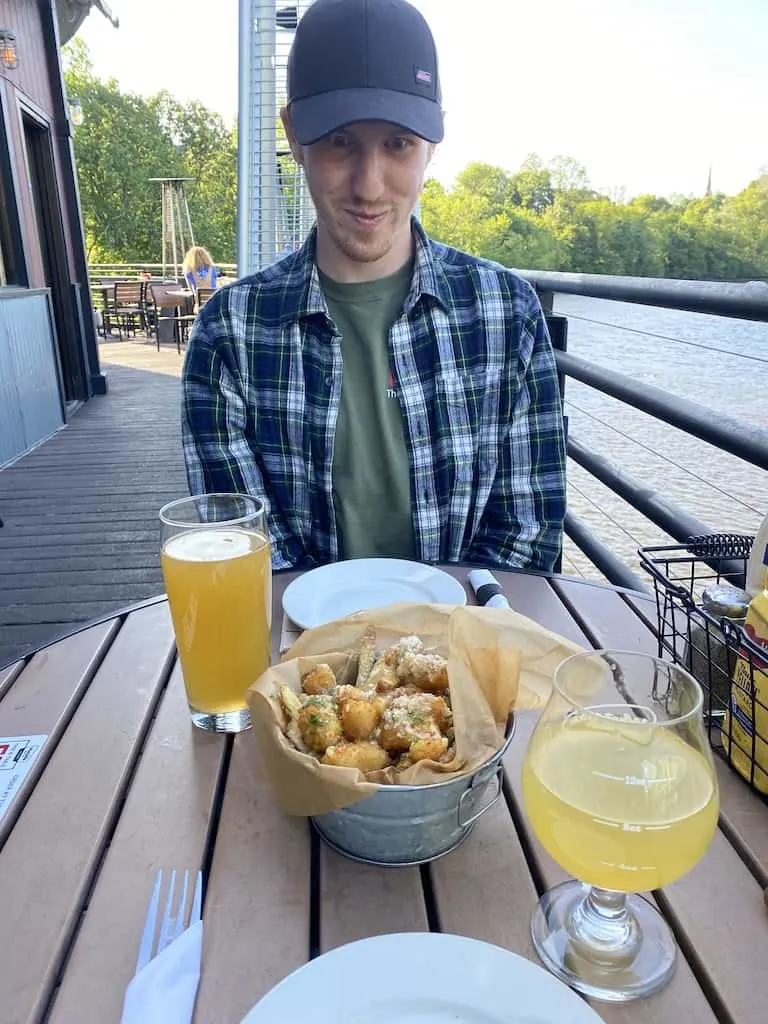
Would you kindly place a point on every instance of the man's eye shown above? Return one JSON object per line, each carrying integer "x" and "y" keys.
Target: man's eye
{"x": 400, "y": 143}
{"x": 338, "y": 141}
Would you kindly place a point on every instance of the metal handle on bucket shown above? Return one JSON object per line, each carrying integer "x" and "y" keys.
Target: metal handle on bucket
{"x": 477, "y": 789}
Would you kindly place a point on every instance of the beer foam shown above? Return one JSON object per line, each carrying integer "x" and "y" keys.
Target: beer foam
{"x": 211, "y": 545}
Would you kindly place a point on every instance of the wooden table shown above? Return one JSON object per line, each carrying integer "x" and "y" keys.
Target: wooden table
{"x": 124, "y": 784}
{"x": 172, "y": 298}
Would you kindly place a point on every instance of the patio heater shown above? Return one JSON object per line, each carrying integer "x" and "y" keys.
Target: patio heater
{"x": 274, "y": 212}
{"x": 178, "y": 235}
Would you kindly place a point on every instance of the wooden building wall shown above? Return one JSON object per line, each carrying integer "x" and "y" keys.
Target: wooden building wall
{"x": 30, "y": 87}
{"x": 31, "y": 77}
{"x": 39, "y": 186}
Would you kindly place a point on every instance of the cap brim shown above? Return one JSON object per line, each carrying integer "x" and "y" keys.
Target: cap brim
{"x": 316, "y": 116}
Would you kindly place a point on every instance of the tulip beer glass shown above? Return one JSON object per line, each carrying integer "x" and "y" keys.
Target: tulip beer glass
{"x": 620, "y": 788}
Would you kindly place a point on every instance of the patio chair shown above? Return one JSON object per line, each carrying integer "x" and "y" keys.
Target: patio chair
{"x": 109, "y": 317}
{"x": 182, "y": 325}
{"x": 203, "y": 294}
{"x": 129, "y": 296}
{"x": 151, "y": 313}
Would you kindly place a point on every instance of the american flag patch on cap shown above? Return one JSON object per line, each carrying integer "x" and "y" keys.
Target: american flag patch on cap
{"x": 423, "y": 77}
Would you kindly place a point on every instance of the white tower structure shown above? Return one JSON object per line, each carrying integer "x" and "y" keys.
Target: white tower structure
{"x": 274, "y": 211}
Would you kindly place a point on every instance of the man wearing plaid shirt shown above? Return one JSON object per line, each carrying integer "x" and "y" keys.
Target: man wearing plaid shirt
{"x": 382, "y": 393}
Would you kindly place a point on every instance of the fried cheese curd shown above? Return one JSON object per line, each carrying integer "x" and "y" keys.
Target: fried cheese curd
{"x": 397, "y": 712}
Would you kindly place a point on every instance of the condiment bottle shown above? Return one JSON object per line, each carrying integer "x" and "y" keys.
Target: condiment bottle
{"x": 745, "y": 727}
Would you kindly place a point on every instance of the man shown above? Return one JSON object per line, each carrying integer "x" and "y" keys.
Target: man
{"x": 384, "y": 394}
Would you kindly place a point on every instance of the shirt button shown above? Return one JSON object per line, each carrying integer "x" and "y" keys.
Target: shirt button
{"x": 328, "y": 381}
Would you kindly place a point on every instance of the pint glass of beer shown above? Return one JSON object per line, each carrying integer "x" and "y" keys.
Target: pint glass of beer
{"x": 218, "y": 576}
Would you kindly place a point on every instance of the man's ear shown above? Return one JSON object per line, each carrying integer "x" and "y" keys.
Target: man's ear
{"x": 297, "y": 150}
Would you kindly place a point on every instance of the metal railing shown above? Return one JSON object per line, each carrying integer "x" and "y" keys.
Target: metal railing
{"x": 133, "y": 271}
{"x": 747, "y": 441}
{"x": 747, "y": 301}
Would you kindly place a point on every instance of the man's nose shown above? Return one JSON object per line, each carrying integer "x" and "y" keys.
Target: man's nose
{"x": 368, "y": 175}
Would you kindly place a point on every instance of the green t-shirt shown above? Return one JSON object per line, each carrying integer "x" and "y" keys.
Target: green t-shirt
{"x": 371, "y": 477}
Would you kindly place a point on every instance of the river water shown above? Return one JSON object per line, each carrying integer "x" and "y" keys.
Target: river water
{"x": 718, "y": 362}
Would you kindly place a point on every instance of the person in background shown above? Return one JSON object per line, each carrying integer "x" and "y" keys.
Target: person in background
{"x": 198, "y": 268}
{"x": 384, "y": 394}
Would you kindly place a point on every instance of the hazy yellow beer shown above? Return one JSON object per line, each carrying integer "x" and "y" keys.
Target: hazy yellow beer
{"x": 219, "y": 582}
{"x": 622, "y": 810}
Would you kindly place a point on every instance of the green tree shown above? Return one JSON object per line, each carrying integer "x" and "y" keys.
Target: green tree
{"x": 457, "y": 217}
{"x": 568, "y": 175}
{"x": 123, "y": 142}
{"x": 548, "y": 216}
{"x": 532, "y": 185}
{"x": 486, "y": 182}
{"x": 118, "y": 148}
{"x": 746, "y": 216}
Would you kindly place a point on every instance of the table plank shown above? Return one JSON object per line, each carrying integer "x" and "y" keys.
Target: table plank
{"x": 683, "y": 1000}
{"x": 534, "y": 597}
{"x": 718, "y": 909}
{"x": 49, "y": 860}
{"x": 647, "y": 609}
{"x": 279, "y": 582}
{"x": 8, "y": 676}
{"x": 606, "y": 618}
{"x": 164, "y": 824}
{"x": 745, "y": 820}
{"x": 257, "y": 902}
{"x": 358, "y": 901}
{"x": 45, "y": 696}
{"x": 484, "y": 888}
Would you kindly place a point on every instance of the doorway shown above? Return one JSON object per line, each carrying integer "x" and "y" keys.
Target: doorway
{"x": 53, "y": 251}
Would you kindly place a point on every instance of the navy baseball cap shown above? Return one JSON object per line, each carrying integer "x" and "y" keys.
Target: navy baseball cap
{"x": 363, "y": 60}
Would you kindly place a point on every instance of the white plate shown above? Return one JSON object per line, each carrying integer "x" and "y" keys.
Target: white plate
{"x": 421, "y": 978}
{"x": 340, "y": 588}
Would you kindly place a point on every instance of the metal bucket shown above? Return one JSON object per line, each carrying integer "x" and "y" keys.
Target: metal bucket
{"x": 402, "y": 826}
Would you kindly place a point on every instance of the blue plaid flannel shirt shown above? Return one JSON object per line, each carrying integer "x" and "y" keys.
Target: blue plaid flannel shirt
{"x": 475, "y": 372}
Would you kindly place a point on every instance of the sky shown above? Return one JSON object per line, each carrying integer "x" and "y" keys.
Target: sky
{"x": 646, "y": 94}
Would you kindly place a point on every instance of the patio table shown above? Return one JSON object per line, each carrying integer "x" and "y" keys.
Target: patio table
{"x": 123, "y": 784}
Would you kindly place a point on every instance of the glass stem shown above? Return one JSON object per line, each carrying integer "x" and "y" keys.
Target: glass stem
{"x": 602, "y": 925}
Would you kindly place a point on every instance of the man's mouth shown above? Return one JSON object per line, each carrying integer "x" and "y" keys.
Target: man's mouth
{"x": 366, "y": 219}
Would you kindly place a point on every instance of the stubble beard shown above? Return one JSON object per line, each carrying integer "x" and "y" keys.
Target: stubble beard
{"x": 360, "y": 251}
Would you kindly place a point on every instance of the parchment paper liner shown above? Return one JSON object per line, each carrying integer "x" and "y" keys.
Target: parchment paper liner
{"x": 498, "y": 660}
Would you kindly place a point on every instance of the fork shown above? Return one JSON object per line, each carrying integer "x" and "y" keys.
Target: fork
{"x": 172, "y": 924}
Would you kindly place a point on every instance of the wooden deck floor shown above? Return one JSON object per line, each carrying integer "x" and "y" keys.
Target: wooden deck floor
{"x": 81, "y": 535}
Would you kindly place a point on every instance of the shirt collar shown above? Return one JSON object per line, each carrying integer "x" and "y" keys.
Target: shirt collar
{"x": 428, "y": 277}
{"x": 307, "y": 299}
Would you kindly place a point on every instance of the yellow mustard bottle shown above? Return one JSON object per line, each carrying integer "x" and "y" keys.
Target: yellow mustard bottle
{"x": 745, "y": 727}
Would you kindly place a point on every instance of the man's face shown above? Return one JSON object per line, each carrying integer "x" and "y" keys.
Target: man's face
{"x": 365, "y": 181}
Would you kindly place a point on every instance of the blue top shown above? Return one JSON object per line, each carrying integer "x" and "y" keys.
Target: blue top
{"x": 205, "y": 277}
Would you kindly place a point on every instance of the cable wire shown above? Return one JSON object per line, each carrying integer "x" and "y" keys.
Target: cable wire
{"x": 665, "y": 458}
{"x": 665, "y": 337}
{"x": 603, "y": 511}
